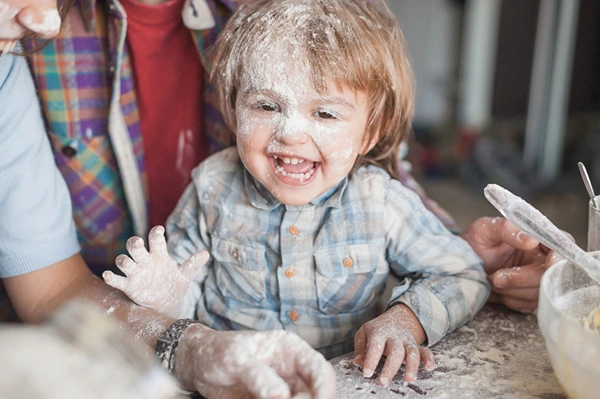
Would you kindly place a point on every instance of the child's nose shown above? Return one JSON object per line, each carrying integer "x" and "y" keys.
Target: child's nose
{"x": 293, "y": 136}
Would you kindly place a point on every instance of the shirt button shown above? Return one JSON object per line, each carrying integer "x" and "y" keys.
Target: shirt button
{"x": 289, "y": 272}
{"x": 348, "y": 262}
{"x": 294, "y": 230}
{"x": 293, "y": 315}
{"x": 235, "y": 253}
{"x": 69, "y": 150}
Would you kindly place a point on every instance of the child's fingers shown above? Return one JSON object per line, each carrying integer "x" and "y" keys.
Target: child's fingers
{"x": 135, "y": 247}
{"x": 191, "y": 266}
{"x": 427, "y": 358}
{"x": 114, "y": 281}
{"x": 412, "y": 361}
{"x": 156, "y": 240}
{"x": 395, "y": 357}
{"x": 126, "y": 265}
{"x": 360, "y": 346}
{"x": 375, "y": 349}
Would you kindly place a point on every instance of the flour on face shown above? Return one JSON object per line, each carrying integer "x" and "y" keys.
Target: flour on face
{"x": 298, "y": 142}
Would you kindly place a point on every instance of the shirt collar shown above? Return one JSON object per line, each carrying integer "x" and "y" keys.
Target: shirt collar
{"x": 261, "y": 198}
{"x": 88, "y": 10}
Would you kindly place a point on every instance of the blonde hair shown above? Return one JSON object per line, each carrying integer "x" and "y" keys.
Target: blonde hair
{"x": 353, "y": 43}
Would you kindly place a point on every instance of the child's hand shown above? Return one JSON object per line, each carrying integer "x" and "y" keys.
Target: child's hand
{"x": 397, "y": 334}
{"x": 154, "y": 280}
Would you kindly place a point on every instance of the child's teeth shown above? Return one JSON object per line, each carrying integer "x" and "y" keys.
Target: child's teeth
{"x": 294, "y": 161}
{"x": 286, "y": 160}
{"x": 299, "y": 176}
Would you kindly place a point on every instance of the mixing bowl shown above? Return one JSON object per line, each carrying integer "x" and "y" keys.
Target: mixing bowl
{"x": 568, "y": 302}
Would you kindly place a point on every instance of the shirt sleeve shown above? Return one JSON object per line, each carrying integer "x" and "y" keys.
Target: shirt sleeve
{"x": 443, "y": 281}
{"x": 187, "y": 235}
{"x": 36, "y": 221}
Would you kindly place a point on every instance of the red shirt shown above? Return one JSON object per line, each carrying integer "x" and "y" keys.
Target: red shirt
{"x": 168, "y": 78}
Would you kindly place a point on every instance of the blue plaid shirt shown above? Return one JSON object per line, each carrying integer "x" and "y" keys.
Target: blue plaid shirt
{"x": 319, "y": 269}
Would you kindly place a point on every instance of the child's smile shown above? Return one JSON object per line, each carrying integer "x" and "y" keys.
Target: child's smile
{"x": 292, "y": 170}
{"x": 297, "y": 142}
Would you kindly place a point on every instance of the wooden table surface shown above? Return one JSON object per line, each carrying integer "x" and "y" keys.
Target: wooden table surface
{"x": 500, "y": 354}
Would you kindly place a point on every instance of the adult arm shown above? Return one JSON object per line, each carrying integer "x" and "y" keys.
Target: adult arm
{"x": 217, "y": 364}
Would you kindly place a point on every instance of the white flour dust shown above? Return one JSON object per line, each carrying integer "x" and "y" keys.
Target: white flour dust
{"x": 49, "y": 26}
{"x": 499, "y": 354}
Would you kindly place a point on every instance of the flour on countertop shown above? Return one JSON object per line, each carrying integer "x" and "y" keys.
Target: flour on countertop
{"x": 499, "y": 354}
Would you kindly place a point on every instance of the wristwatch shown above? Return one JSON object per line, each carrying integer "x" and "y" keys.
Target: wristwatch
{"x": 166, "y": 346}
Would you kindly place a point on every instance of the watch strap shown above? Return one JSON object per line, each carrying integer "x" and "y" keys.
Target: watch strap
{"x": 166, "y": 345}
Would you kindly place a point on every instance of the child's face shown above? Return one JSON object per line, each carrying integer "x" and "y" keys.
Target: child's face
{"x": 296, "y": 142}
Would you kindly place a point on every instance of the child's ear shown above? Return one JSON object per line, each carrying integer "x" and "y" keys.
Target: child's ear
{"x": 367, "y": 144}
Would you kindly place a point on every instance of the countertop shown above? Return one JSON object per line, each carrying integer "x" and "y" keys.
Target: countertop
{"x": 500, "y": 353}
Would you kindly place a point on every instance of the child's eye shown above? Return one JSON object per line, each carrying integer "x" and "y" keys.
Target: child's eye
{"x": 325, "y": 115}
{"x": 268, "y": 107}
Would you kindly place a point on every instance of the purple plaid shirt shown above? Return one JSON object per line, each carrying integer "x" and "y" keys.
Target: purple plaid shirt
{"x": 86, "y": 88}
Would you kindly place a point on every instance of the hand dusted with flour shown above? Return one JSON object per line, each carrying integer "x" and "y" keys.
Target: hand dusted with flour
{"x": 271, "y": 364}
{"x": 154, "y": 280}
{"x": 18, "y": 17}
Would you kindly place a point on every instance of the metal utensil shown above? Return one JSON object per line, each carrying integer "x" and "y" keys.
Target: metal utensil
{"x": 588, "y": 183}
{"x": 534, "y": 223}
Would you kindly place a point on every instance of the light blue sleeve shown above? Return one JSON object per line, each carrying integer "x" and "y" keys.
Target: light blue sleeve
{"x": 444, "y": 282}
{"x": 36, "y": 221}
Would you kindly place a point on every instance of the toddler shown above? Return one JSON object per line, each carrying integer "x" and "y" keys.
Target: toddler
{"x": 305, "y": 217}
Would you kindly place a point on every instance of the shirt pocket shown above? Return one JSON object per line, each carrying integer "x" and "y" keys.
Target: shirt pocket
{"x": 349, "y": 278}
{"x": 240, "y": 269}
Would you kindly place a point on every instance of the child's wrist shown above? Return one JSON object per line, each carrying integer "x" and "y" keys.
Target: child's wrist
{"x": 407, "y": 319}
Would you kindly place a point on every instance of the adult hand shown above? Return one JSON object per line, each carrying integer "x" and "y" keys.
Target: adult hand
{"x": 154, "y": 280}
{"x": 513, "y": 261}
{"x": 17, "y": 17}
{"x": 252, "y": 364}
{"x": 397, "y": 334}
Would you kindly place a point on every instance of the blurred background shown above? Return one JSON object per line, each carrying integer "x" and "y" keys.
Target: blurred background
{"x": 508, "y": 92}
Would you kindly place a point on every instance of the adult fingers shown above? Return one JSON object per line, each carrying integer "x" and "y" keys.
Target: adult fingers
{"x": 520, "y": 305}
{"x": 518, "y": 277}
{"x": 375, "y": 349}
{"x": 126, "y": 265}
{"x": 9, "y": 27}
{"x": 135, "y": 247}
{"x": 191, "y": 266}
{"x": 42, "y": 19}
{"x": 412, "y": 361}
{"x": 6, "y": 46}
{"x": 504, "y": 231}
{"x": 115, "y": 281}
{"x": 316, "y": 372}
{"x": 263, "y": 382}
{"x": 395, "y": 357}
{"x": 523, "y": 294}
{"x": 156, "y": 240}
